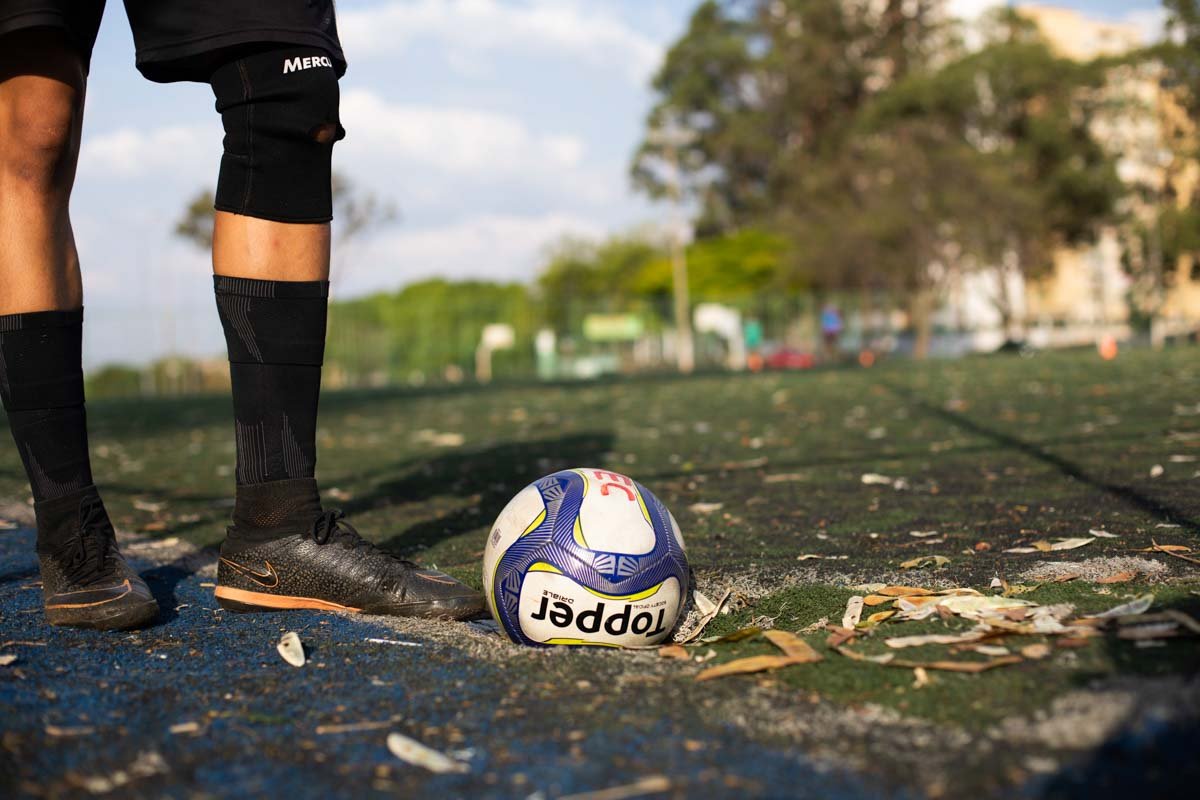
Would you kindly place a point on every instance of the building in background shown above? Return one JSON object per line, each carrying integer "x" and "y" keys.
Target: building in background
{"x": 1090, "y": 289}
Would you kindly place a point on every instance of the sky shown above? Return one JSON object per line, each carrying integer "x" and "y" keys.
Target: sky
{"x": 496, "y": 127}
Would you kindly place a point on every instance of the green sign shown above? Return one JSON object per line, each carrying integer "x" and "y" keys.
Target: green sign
{"x": 612, "y": 327}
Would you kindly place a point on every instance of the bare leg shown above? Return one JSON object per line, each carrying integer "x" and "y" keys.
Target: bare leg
{"x": 42, "y": 82}
{"x": 248, "y": 247}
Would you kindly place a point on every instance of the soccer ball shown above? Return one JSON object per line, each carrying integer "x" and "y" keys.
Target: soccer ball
{"x": 585, "y": 557}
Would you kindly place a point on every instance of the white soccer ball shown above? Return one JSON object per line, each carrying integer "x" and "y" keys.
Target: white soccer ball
{"x": 585, "y": 557}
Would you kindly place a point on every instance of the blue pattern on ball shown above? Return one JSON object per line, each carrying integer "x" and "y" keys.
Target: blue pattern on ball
{"x": 553, "y": 542}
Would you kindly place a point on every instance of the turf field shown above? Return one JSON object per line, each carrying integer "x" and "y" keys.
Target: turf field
{"x": 793, "y": 491}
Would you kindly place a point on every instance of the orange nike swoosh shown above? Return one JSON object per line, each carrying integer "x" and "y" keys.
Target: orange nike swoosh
{"x": 261, "y": 578}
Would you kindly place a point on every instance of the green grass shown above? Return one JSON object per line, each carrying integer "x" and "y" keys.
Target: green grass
{"x": 994, "y": 451}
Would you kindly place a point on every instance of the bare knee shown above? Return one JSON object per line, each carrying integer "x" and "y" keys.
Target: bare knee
{"x": 39, "y": 130}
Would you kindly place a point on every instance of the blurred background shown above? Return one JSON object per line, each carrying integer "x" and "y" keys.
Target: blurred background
{"x": 563, "y": 189}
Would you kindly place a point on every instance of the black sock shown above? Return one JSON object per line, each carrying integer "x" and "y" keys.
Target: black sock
{"x": 275, "y": 334}
{"x": 41, "y": 385}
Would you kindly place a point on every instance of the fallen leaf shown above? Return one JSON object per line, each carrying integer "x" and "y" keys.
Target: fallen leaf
{"x": 990, "y": 650}
{"x": 1157, "y": 471}
{"x": 898, "y": 642}
{"x": 675, "y": 651}
{"x": 945, "y": 666}
{"x": 879, "y": 616}
{"x": 651, "y": 784}
{"x": 708, "y": 617}
{"x": 923, "y": 534}
{"x": 808, "y": 557}
{"x": 291, "y": 649}
{"x": 854, "y": 609}
{"x": 920, "y": 678}
{"x": 737, "y": 636}
{"x": 1138, "y": 606}
{"x": 1021, "y": 550}
{"x": 1061, "y": 544}
{"x": 745, "y": 666}
{"x": 1036, "y": 651}
{"x": 839, "y": 636}
{"x": 793, "y": 647}
{"x": 875, "y": 479}
{"x": 1118, "y": 577}
{"x": 924, "y": 561}
{"x": 413, "y": 752}
{"x": 1176, "y": 550}
{"x": 1102, "y": 534}
{"x": 903, "y": 591}
{"x": 705, "y": 508}
{"x": 7, "y": 658}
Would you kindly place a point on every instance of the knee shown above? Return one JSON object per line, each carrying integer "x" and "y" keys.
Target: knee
{"x": 280, "y": 112}
{"x": 41, "y": 133}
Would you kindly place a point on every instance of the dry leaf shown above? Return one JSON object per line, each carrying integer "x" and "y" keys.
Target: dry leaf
{"x": 745, "y": 666}
{"x": 736, "y": 636}
{"x": 413, "y": 752}
{"x": 1062, "y": 544}
{"x": 1036, "y": 651}
{"x": 1102, "y": 534}
{"x": 903, "y": 591}
{"x": 793, "y": 647}
{"x": 1118, "y": 577}
{"x": 920, "y": 678}
{"x": 808, "y": 557}
{"x": 879, "y": 616}
{"x": 1138, "y": 606}
{"x": 923, "y": 534}
{"x": 675, "y": 651}
{"x": 854, "y": 609}
{"x": 945, "y": 666}
{"x": 839, "y": 636}
{"x": 898, "y": 642}
{"x": 1021, "y": 550}
{"x": 924, "y": 561}
{"x": 651, "y": 784}
{"x": 705, "y": 508}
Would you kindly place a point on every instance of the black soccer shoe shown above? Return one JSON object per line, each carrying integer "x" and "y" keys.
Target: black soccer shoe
{"x": 332, "y": 568}
{"x": 86, "y": 582}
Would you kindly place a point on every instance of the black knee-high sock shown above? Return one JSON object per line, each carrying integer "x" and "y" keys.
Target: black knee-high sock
{"x": 41, "y": 385}
{"x": 275, "y": 334}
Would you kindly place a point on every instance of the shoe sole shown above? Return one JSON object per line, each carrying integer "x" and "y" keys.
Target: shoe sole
{"x": 242, "y": 601}
{"x": 116, "y": 617}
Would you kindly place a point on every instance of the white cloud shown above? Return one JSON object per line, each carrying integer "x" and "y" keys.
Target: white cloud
{"x": 484, "y": 144}
{"x": 470, "y": 28}
{"x": 1151, "y": 21}
{"x": 491, "y": 246}
{"x": 130, "y": 152}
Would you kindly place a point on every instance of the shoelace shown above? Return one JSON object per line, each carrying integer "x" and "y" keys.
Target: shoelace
{"x": 85, "y": 556}
{"x": 331, "y": 526}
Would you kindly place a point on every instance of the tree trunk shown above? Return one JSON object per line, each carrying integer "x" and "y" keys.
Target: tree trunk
{"x": 921, "y": 319}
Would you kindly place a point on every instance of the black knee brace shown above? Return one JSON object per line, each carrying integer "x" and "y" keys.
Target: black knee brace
{"x": 280, "y": 111}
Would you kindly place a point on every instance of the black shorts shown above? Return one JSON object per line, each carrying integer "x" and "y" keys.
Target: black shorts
{"x": 185, "y": 40}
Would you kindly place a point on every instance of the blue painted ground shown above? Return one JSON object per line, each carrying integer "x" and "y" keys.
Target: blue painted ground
{"x": 87, "y": 705}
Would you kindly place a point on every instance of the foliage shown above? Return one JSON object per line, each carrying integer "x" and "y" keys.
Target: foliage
{"x": 882, "y": 153}
{"x": 425, "y": 327}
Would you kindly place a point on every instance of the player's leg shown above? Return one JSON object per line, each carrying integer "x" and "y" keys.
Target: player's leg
{"x": 85, "y": 580}
{"x": 271, "y": 258}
